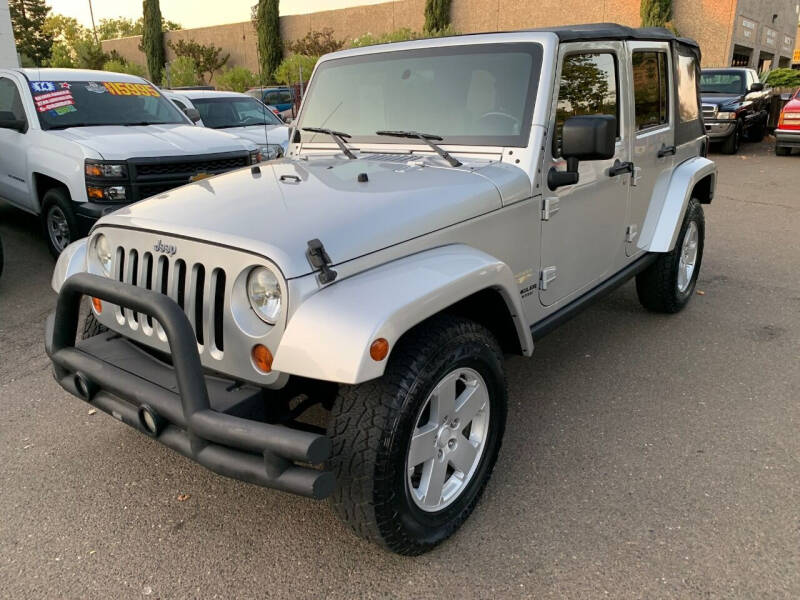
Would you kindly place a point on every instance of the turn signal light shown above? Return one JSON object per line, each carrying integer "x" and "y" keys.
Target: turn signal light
{"x": 93, "y": 170}
{"x": 379, "y": 349}
{"x": 98, "y": 305}
{"x": 95, "y": 192}
{"x": 262, "y": 358}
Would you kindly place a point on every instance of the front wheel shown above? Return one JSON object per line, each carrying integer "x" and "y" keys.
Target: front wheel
{"x": 413, "y": 451}
{"x": 58, "y": 220}
{"x": 668, "y": 284}
{"x": 731, "y": 144}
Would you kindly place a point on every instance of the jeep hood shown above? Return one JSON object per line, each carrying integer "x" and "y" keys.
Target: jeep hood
{"x": 276, "y": 210}
{"x": 118, "y": 142}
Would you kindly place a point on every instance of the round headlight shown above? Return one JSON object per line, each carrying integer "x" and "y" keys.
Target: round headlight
{"x": 102, "y": 252}
{"x": 264, "y": 294}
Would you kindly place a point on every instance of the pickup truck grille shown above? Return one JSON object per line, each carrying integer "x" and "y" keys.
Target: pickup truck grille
{"x": 153, "y": 176}
{"x": 198, "y": 289}
{"x": 709, "y": 111}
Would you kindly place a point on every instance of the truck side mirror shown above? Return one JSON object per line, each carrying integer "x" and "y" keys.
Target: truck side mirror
{"x": 757, "y": 87}
{"x": 585, "y": 137}
{"x": 9, "y": 121}
{"x": 193, "y": 114}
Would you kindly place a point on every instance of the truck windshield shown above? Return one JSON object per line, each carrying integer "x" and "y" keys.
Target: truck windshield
{"x": 478, "y": 94}
{"x": 224, "y": 113}
{"x": 721, "y": 82}
{"x": 64, "y": 104}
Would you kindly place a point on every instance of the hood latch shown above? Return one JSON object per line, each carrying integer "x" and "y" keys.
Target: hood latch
{"x": 319, "y": 259}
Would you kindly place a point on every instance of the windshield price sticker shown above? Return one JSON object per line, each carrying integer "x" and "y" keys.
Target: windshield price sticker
{"x": 53, "y": 100}
{"x": 130, "y": 89}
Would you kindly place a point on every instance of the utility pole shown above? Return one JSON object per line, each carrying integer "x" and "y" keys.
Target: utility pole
{"x": 94, "y": 29}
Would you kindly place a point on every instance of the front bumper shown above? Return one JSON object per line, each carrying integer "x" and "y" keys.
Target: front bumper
{"x": 89, "y": 212}
{"x": 215, "y": 422}
{"x": 717, "y": 130}
{"x": 789, "y": 138}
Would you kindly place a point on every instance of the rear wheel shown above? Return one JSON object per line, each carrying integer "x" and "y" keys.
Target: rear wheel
{"x": 413, "y": 451}
{"x": 757, "y": 132}
{"x": 58, "y": 220}
{"x": 668, "y": 284}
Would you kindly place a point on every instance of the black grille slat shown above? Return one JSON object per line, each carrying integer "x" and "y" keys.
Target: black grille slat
{"x": 181, "y": 275}
{"x": 134, "y": 269}
{"x": 219, "y": 307}
{"x": 200, "y": 281}
{"x": 190, "y": 167}
{"x": 148, "y": 279}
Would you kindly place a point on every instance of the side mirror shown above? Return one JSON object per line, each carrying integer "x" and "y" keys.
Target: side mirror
{"x": 193, "y": 114}
{"x": 757, "y": 87}
{"x": 585, "y": 137}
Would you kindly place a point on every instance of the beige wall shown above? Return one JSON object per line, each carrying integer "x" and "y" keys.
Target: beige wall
{"x": 708, "y": 21}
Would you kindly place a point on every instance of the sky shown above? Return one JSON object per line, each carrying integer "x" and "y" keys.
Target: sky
{"x": 191, "y": 13}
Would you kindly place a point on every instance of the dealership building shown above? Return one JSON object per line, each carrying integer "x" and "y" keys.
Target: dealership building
{"x": 755, "y": 33}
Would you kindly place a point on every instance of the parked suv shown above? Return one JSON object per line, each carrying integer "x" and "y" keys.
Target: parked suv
{"x": 735, "y": 106}
{"x": 282, "y": 98}
{"x": 385, "y": 266}
{"x": 79, "y": 144}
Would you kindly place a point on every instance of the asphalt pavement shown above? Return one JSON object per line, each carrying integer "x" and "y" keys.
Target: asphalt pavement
{"x": 646, "y": 456}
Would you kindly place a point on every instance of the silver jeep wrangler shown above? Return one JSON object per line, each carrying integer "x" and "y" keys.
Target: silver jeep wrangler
{"x": 443, "y": 203}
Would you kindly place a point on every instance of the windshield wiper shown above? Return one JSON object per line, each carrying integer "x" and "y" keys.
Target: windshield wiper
{"x": 338, "y": 137}
{"x": 67, "y": 126}
{"x": 425, "y": 137}
{"x": 144, "y": 123}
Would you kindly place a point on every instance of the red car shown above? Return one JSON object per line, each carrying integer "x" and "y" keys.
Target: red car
{"x": 787, "y": 135}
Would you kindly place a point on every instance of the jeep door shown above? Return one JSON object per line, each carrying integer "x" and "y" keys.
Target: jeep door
{"x": 583, "y": 226}
{"x": 650, "y": 90}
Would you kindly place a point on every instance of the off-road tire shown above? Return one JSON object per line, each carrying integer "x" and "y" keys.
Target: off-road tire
{"x": 371, "y": 426}
{"x": 782, "y": 150}
{"x": 92, "y": 327}
{"x": 730, "y": 145}
{"x": 657, "y": 285}
{"x": 58, "y": 198}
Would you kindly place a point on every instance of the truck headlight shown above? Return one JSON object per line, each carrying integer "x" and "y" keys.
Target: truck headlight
{"x": 102, "y": 170}
{"x": 271, "y": 151}
{"x": 102, "y": 252}
{"x": 729, "y": 116}
{"x": 264, "y": 293}
{"x": 255, "y": 157}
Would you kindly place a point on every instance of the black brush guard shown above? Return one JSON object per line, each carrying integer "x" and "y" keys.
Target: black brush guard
{"x": 184, "y": 405}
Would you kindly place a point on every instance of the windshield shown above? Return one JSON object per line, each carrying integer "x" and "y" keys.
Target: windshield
{"x": 62, "y": 104}
{"x": 722, "y": 82}
{"x": 223, "y": 113}
{"x": 481, "y": 94}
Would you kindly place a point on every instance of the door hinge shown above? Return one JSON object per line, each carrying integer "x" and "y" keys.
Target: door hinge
{"x": 631, "y": 232}
{"x": 548, "y": 275}
{"x": 549, "y": 207}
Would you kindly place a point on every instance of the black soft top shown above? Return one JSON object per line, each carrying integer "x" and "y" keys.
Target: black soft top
{"x": 613, "y": 31}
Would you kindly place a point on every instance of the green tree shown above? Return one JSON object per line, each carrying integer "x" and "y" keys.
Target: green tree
{"x": 584, "y": 88}
{"x": 28, "y": 19}
{"x": 237, "y": 79}
{"x": 153, "y": 38}
{"x": 316, "y": 43}
{"x": 115, "y": 65}
{"x": 437, "y": 15}
{"x": 207, "y": 58}
{"x": 74, "y": 45}
{"x": 182, "y": 73}
{"x": 289, "y": 71}
{"x": 111, "y": 29}
{"x": 656, "y": 13}
{"x": 266, "y": 19}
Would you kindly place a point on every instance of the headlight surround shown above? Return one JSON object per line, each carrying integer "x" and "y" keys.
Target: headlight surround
{"x": 103, "y": 170}
{"x": 726, "y": 116}
{"x": 255, "y": 157}
{"x": 271, "y": 151}
{"x": 103, "y": 254}
{"x": 264, "y": 294}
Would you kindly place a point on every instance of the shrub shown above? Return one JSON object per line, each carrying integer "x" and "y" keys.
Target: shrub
{"x": 399, "y": 35}
{"x": 206, "y": 58}
{"x": 288, "y": 72}
{"x": 237, "y": 79}
{"x": 115, "y": 65}
{"x": 182, "y": 73}
{"x": 783, "y": 78}
{"x": 316, "y": 43}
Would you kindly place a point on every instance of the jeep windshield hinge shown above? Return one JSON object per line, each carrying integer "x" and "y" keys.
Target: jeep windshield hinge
{"x": 319, "y": 259}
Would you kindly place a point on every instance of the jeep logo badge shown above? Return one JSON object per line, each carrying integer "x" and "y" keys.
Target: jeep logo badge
{"x": 165, "y": 248}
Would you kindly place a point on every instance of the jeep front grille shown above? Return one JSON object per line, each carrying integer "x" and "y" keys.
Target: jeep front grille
{"x": 198, "y": 289}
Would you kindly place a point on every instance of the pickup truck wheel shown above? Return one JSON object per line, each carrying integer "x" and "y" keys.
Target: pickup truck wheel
{"x": 92, "y": 327}
{"x": 731, "y": 143}
{"x": 58, "y": 220}
{"x": 667, "y": 285}
{"x": 757, "y": 132}
{"x": 413, "y": 451}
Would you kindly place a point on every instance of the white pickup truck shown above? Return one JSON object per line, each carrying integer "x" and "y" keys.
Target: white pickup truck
{"x": 77, "y": 145}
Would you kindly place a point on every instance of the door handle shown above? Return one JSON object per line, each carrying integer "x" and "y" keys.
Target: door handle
{"x": 665, "y": 150}
{"x": 619, "y": 168}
